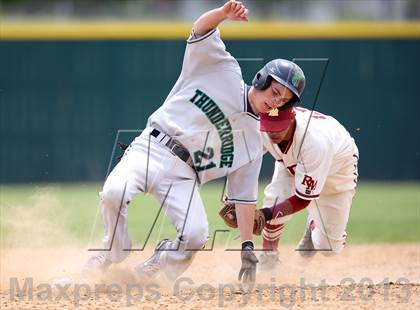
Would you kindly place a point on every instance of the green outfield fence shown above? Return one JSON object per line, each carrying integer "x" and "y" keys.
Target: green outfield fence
{"x": 66, "y": 89}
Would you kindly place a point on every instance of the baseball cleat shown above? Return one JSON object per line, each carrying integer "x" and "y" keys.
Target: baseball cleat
{"x": 96, "y": 264}
{"x": 306, "y": 247}
{"x": 151, "y": 267}
{"x": 268, "y": 260}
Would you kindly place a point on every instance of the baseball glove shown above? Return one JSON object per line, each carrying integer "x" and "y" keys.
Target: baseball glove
{"x": 228, "y": 215}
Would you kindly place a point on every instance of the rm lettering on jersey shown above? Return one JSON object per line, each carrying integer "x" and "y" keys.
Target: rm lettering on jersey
{"x": 310, "y": 184}
{"x": 222, "y": 124}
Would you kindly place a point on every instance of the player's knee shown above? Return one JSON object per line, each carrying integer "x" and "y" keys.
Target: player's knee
{"x": 328, "y": 246}
{"x": 336, "y": 247}
{"x": 113, "y": 195}
{"x": 320, "y": 242}
{"x": 196, "y": 237}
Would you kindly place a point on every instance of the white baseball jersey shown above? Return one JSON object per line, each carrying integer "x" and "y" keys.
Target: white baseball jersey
{"x": 321, "y": 155}
{"x": 208, "y": 112}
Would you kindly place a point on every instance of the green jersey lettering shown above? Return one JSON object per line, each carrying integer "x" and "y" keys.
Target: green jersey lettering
{"x": 224, "y": 129}
{"x": 197, "y": 93}
{"x": 208, "y": 106}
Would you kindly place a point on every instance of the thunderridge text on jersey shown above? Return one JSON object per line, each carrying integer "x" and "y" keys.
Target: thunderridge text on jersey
{"x": 219, "y": 120}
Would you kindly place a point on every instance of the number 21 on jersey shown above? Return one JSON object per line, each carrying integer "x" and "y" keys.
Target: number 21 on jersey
{"x": 200, "y": 156}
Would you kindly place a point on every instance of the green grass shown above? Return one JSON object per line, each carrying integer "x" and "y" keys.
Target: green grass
{"x": 54, "y": 213}
{"x": 385, "y": 212}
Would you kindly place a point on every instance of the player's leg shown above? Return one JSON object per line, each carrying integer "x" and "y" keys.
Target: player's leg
{"x": 306, "y": 247}
{"x": 183, "y": 206}
{"x": 117, "y": 192}
{"x": 328, "y": 221}
{"x": 126, "y": 179}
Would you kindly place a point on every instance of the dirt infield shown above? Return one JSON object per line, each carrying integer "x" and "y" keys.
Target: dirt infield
{"x": 361, "y": 277}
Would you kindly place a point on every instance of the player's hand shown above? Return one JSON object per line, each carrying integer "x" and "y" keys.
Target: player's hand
{"x": 249, "y": 263}
{"x": 235, "y": 10}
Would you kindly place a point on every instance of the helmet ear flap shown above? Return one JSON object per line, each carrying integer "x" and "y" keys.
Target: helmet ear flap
{"x": 261, "y": 80}
{"x": 267, "y": 82}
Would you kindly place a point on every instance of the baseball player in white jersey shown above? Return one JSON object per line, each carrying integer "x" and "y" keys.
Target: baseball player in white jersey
{"x": 207, "y": 128}
{"x": 316, "y": 166}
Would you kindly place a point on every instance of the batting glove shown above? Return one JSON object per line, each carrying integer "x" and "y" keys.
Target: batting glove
{"x": 249, "y": 263}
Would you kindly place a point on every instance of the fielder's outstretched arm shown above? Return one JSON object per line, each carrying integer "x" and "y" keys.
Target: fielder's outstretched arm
{"x": 245, "y": 218}
{"x": 233, "y": 10}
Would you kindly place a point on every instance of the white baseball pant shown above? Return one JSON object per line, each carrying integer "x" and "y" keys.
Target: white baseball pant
{"x": 149, "y": 166}
{"x": 330, "y": 212}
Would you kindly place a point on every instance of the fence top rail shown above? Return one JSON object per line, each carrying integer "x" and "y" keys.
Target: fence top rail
{"x": 112, "y": 30}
